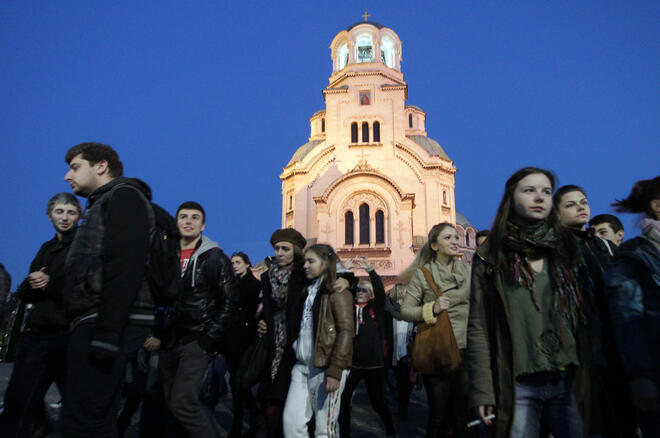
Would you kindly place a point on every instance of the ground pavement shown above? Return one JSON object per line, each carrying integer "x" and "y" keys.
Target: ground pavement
{"x": 365, "y": 423}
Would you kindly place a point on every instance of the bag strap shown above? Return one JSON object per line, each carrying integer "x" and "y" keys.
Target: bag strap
{"x": 431, "y": 281}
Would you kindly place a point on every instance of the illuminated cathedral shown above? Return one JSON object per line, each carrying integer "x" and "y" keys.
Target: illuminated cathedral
{"x": 370, "y": 181}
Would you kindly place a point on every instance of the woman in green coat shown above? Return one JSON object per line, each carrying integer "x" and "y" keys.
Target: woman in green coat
{"x": 526, "y": 355}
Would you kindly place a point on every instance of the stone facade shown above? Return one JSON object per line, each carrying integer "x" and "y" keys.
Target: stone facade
{"x": 369, "y": 181}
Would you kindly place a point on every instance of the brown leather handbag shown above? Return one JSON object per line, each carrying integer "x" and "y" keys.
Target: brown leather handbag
{"x": 435, "y": 351}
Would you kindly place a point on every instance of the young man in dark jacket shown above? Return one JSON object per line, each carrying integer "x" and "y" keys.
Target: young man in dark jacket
{"x": 41, "y": 358}
{"x": 107, "y": 295}
{"x": 202, "y": 315}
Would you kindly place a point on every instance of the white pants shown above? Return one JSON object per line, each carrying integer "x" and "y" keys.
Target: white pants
{"x": 306, "y": 397}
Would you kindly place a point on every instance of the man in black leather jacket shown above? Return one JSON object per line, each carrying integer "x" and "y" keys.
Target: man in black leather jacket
{"x": 202, "y": 315}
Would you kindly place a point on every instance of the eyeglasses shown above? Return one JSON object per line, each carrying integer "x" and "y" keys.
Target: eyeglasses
{"x": 363, "y": 290}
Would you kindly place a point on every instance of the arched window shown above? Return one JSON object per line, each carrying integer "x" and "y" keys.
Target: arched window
{"x": 348, "y": 228}
{"x": 376, "y": 132}
{"x": 322, "y": 125}
{"x": 354, "y": 132}
{"x": 380, "y": 226}
{"x": 342, "y": 56}
{"x": 387, "y": 52}
{"x": 365, "y": 48}
{"x": 364, "y": 223}
{"x": 444, "y": 197}
{"x": 409, "y": 120}
{"x": 365, "y": 132}
{"x": 467, "y": 239}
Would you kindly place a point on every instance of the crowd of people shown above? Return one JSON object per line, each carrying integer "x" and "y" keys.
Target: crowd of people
{"x": 550, "y": 331}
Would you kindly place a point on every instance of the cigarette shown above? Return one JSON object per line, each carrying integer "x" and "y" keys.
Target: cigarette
{"x": 476, "y": 422}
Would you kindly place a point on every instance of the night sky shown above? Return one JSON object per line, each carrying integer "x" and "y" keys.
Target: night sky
{"x": 208, "y": 100}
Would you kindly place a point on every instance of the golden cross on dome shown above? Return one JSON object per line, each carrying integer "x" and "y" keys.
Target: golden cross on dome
{"x": 365, "y": 15}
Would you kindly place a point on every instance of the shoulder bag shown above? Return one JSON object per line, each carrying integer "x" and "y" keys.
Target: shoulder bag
{"x": 435, "y": 351}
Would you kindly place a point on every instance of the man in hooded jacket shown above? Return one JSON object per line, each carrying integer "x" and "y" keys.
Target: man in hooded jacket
{"x": 201, "y": 317}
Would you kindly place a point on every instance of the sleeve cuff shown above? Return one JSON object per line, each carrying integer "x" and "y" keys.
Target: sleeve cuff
{"x": 105, "y": 342}
{"x": 334, "y": 371}
{"x": 427, "y": 313}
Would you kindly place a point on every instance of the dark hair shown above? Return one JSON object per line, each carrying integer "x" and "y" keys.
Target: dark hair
{"x": 614, "y": 221}
{"x": 561, "y": 191}
{"x": 327, "y": 255}
{"x": 63, "y": 198}
{"x": 567, "y": 249}
{"x": 639, "y": 199}
{"x": 95, "y": 152}
{"x": 192, "y": 205}
{"x": 243, "y": 256}
{"x": 425, "y": 254}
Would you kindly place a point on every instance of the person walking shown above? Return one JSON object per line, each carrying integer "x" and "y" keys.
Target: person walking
{"x": 527, "y": 348}
{"x": 633, "y": 291}
{"x": 447, "y": 393}
{"x": 369, "y": 350}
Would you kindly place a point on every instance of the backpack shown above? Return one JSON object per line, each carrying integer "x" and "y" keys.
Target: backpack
{"x": 164, "y": 265}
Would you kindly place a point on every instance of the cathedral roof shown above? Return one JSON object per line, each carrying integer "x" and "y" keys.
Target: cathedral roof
{"x": 373, "y": 23}
{"x": 303, "y": 150}
{"x": 432, "y": 147}
{"x": 462, "y": 220}
{"x": 414, "y": 106}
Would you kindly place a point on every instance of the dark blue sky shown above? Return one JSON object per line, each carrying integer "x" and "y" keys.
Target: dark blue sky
{"x": 208, "y": 100}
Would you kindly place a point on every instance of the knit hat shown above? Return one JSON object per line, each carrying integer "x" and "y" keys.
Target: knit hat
{"x": 288, "y": 235}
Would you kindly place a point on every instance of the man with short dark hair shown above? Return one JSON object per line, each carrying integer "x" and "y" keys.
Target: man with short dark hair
{"x": 202, "y": 315}
{"x": 41, "y": 358}
{"x": 107, "y": 296}
{"x": 608, "y": 227}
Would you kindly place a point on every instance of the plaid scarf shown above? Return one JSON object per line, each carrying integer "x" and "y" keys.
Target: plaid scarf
{"x": 540, "y": 241}
{"x": 279, "y": 283}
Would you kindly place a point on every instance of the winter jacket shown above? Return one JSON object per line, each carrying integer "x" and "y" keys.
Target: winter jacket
{"x": 491, "y": 374}
{"x": 243, "y": 329}
{"x": 205, "y": 308}
{"x": 418, "y": 302}
{"x": 383, "y": 322}
{"x": 105, "y": 266}
{"x": 334, "y": 328}
{"x": 632, "y": 285}
{"x": 48, "y": 316}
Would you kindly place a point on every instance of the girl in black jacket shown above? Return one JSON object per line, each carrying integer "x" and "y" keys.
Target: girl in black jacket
{"x": 241, "y": 335}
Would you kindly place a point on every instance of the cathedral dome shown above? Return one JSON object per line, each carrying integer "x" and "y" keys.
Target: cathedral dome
{"x": 363, "y": 43}
{"x": 462, "y": 220}
{"x": 373, "y": 23}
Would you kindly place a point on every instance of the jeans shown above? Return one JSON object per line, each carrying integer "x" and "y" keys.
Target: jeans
{"x": 546, "y": 397}
{"x": 182, "y": 371}
{"x": 92, "y": 389}
{"x": 39, "y": 362}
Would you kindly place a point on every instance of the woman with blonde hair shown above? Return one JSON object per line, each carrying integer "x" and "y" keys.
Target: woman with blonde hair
{"x": 446, "y": 393}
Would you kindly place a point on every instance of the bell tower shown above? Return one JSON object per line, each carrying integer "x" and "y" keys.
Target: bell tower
{"x": 369, "y": 181}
